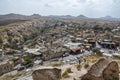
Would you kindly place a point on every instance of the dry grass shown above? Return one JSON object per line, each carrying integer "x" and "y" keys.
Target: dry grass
{"x": 116, "y": 57}
{"x": 65, "y": 74}
{"x": 10, "y": 77}
{"x": 92, "y": 59}
{"x": 56, "y": 64}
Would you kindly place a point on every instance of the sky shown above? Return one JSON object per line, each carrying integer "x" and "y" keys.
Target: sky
{"x": 89, "y": 8}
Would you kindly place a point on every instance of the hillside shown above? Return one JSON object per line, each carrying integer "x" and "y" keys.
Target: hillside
{"x": 15, "y": 32}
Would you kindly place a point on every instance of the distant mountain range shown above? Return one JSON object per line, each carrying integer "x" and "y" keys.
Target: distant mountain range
{"x": 35, "y": 16}
{"x": 18, "y": 16}
{"x": 61, "y": 16}
{"x": 109, "y": 18}
{"x": 82, "y": 16}
{"x": 67, "y": 16}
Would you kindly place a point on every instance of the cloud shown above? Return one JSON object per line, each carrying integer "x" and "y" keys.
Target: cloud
{"x": 90, "y": 8}
{"x": 47, "y": 5}
{"x": 82, "y": 1}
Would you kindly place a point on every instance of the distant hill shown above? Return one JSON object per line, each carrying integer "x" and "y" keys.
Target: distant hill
{"x": 61, "y": 16}
{"x": 109, "y": 18}
{"x": 37, "y": 16}
{"x": 81, "y": 16}
{"x": 12, "y": 16}
{"x": 67, "y": 16}
{"x": 18, "y": 16}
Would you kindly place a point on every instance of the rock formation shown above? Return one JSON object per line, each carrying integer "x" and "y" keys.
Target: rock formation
{"x": 102, "y": 70}
{"x": 47, "y": 74}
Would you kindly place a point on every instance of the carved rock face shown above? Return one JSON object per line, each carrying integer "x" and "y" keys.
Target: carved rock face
{"x": 111, "y": 72}
{"x": 47, "y": 74}
{"x": 103, "y": 70}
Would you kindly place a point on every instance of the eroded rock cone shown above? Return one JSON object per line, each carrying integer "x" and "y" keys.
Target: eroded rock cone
{"x": 111, "y": 72}
{"x": 102, "y": 70}
{"x": 47, "y": 74}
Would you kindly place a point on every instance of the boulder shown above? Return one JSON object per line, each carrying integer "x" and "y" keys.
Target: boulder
{"x": 47, "y": 74}
{"x": 102, "y": 70}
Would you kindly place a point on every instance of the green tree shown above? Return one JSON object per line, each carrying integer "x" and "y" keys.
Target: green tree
{"x": 97, "y": 52}
{"x": 97, "y": 27}
{"x": 107, "y": 29}
{"x": 27, "y": 60}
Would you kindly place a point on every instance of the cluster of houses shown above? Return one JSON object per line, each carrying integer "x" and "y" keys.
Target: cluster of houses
{"x": 58, "y": 42}
{"x": 72, "y": 43}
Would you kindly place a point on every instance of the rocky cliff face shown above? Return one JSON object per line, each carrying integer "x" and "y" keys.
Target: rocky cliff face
{"x": 103, "y": 70}
{"x": 16, "y": 34}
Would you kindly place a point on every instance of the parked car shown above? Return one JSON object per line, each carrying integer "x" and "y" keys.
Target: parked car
{"x": 27, "y": 70}
{"x": 38, "y": 62}
{"x": 29, "y": 65}
{"x": 21, "y": 68}
{"x": 110, "y": 52}
{"x": 78, "y": 57}
{"x": 65, "y": 55}
{"x": 68, "y": 60}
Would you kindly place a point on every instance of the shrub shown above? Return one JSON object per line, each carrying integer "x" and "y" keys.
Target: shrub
{"x": 65, "y": 74}
{"x": 97, "y": 27}
{"x": 97, "y": 52}
{"x": 27, "y": 59}
{"x": 69, "y": 70}
{"x": 6, "y": 45}
{"x": 116, "y": 56}
{"x": 86, "y": 66}
{"x": 1, "y": 41}
{"x": 12, "y": 59}
{"x": 78, "y": 67}
{"x": 73, "y": 40}
{"x": 12, "y": 52}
